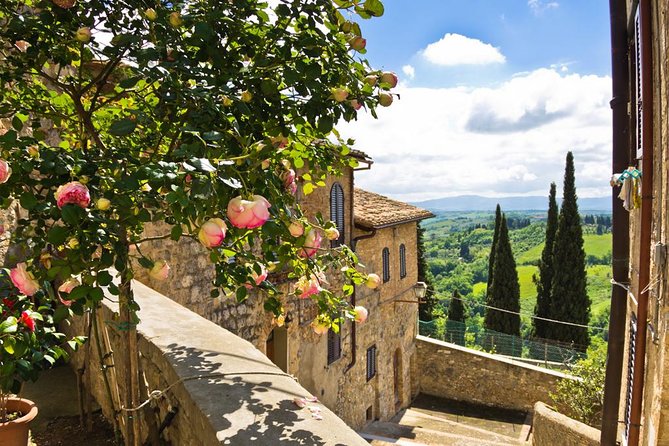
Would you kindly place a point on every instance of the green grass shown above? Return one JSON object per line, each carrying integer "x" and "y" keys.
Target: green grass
{"x": 596, "y": 245}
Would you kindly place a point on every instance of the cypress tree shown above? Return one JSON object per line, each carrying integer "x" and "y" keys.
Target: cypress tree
{"x": 570, "y": 301}
{"x": 545, "y": 280}
{"x": 491, "y": 258}
{"x": 456, "y": 310}
{"x": 424, "y": 309}
{"x": 456, "y": 319}
{"x": 505, "y": 289}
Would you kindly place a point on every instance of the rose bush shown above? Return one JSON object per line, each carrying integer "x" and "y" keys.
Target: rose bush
{"x": 193, "y": 114}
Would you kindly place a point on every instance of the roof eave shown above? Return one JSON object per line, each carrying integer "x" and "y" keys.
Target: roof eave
{"x": 388, "y": 225}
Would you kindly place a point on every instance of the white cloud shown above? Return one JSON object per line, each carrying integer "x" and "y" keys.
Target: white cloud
{"x": 456, "y": 49}
{"x": 539, "y": 6}
{"x": 409, "y": 71}
{"x": 508, "y": 140}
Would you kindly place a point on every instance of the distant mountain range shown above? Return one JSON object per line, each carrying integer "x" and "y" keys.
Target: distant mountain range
{"x": 533, "y": 203}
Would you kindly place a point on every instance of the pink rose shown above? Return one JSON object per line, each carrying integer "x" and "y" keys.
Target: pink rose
{"x": 5, "y": 171}
{"x": 361, "y": 314}
{"x": 257, "y": 278}
{"x": 289, "y": 183}
{"x": 358, "y": 43}
{"x": 160, "y": 270}
{"x": 355, "y": 104}
{"x": 320, "y": 326}
{"x": 28, "y": 321}
{"x": 311, "y": 244}
{"x": 247, "y": 214}
{"x": 339, "y": 94}
{"x": 296, "y": 228}
{"x": 24, "y": 279}
{"x": 332, "y": 233}
{"x": 73, "y": 193}
{"x": 66, "y": 288}
{"x": 388, "y": 77}
{"x": 212, "y": 233}
{"x": 308, "y": 287}
{"x": 373, "y": 281}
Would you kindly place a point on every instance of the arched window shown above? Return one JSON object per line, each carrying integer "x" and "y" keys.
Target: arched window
{"x": 337, "y": 212}
{"x": 386, "y": 264}
{"x": 403, "y": 261}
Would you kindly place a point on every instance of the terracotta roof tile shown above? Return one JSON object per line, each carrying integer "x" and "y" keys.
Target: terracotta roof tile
{"x": 372, "y": 210}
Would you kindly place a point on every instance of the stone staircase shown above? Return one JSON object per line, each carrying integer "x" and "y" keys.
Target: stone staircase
{"x": 420, "y": 427}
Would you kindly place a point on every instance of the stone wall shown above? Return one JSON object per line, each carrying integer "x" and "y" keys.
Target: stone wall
{"x": 459, "y": 373}
{"x": 241, "y": 398}
{"x": 341, "y": 385}
{"x": 552, "y": 428}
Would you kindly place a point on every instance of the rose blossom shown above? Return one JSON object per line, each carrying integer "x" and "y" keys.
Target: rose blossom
{"x": 247, "y": 214}
{"x": 289, "y": 183}
{"x": 332, "y": 233}
{"x": 311, "y": 244}
{"x": 73, "y": 193}
{"x": 28, "y": 321}
{"x": 361, "y": 314}
{"x": 5, "y": 171}
{"x": 160, "y": 270}
{"x": 212, "y": 233}
{"x": 373, "y": 281}
{"x": 388, "y": 77}
{"x": 308, "y": 287}
{"x": 24, "y": 279}
{"x": 296, "y": 228}
{"x": 257, "y": 278}
{"x": 320, "y": 327}
{"x": 66, "y": 288}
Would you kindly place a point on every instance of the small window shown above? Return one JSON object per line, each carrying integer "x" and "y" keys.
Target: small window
{"x": 334, "y": 346}
{"x": 403, "y": 261}
{"x": 371, "y": 362}
{"x": 337, "y": 212}
{"x": 369, "y": 413}
{"x": 386, "y": 264}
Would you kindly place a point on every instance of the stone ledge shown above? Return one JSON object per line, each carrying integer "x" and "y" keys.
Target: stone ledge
{"x": 556, "y": 429}
{"x": 246, "y": 400}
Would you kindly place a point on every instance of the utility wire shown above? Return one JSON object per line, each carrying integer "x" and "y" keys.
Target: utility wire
{"x": 573, "y": 324}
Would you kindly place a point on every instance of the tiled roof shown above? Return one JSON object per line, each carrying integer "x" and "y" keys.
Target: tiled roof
{"x": 372, "y": 210}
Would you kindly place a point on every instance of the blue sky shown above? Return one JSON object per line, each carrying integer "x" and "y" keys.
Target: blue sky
{"x": 498, "y": 90}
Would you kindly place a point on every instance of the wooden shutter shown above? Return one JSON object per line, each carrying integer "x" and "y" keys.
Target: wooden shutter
{"x": 403, "y": 261}
{"x": 630, "y": 373}
{"x": 334, "y": 346}
{"x": 638, "y": 86}
{"x": 386, "y": 264}
{"x": 337, "y": 214}
{"x": 371, "y": 362}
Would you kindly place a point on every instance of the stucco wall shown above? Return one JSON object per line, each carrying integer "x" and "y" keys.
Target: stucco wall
{"x": 251, "y": 403}
{"x": 552, "y": 428}
{"x": 451, "y": 371}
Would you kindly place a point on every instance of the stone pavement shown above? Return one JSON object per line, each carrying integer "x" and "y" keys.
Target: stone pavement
{"x": 435, "y": 421}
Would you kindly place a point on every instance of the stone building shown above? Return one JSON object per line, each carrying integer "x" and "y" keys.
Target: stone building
{"x": 643, "y": 394}
{"x": 363, "y": 372}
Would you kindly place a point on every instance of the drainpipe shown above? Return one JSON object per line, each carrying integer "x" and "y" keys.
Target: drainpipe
{"x": 646, "y": 222}
{"x": 354, "y": 242}
{"x": 620, "y": 220}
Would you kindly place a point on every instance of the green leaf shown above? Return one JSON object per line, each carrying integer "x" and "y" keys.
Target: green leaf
{"x": 104, "y": 278}
{"x": 307, "y": 188}
{"x": 241, "y": 294}
{"x": 28, "y": 200}
{"x": 122, "y": 127}
{"x": 57, "y": 235}
{"x": 203, "y": 164}
{"x": 325, "y": 124}
{"x": 72, "y": 214}
{"x": 175, "y": 233}
{"x": 8, "y": 325}
{"x": 374, "y": 8}
{"x": 17, "y": 123}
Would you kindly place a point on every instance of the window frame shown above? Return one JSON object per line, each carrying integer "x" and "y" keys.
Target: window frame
{"x": 334, "y": 346}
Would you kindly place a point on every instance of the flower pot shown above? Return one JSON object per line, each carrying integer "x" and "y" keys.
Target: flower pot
{"x": 15, "y": 433}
